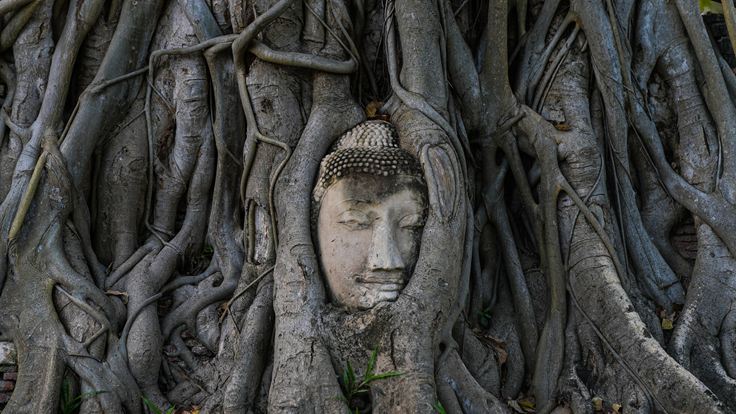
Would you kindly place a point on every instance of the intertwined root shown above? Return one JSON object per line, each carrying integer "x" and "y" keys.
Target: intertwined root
{"x": 210, "y": 164}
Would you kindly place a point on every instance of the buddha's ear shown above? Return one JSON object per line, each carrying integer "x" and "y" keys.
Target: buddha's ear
{"x": 442, "y": 174}
{"x": 436, "y": 280}
{"x": 432, "y": 147}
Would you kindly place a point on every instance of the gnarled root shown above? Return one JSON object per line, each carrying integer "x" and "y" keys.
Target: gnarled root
{"x": 704, "y": 321}
{"x": 468, "y": 394}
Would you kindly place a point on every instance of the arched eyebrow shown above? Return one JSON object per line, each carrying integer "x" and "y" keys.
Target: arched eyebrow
{"x": 354, "y": 201}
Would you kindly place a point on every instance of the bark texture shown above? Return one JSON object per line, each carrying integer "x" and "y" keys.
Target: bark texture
{"x": 157, "y": 161}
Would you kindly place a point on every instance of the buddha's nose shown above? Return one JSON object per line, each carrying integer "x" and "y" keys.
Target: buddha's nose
{"x": 384, "y": 253}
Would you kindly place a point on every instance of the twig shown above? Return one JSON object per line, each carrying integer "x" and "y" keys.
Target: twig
{"x": 128, "y": 265}
{"x": 25, "y": 201}
{"x": 245, "y": 289}
{"x": 274, "y": 178}
{"x": 91, "y": 311}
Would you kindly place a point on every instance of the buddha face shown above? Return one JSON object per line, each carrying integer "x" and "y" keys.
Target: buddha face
{"x": 368, "y": 233}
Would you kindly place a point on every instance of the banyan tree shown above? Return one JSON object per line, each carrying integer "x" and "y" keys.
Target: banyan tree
{"x": 388, "y": 206}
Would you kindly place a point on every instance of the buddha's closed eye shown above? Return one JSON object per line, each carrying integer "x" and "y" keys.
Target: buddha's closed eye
{"x": 412, "y": 221}
{"x": 355, "y": 220}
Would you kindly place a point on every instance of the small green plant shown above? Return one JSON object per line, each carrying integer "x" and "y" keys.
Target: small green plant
{"x": 207, "y": 249}
{"x": 710, "y": 6}
{"x": 154, "y": 409}
{"x": 69, "y": 404}
{"x": 484, "y": 317}
{"x": 439, "y": 408}
{"x": 354, "y": 389}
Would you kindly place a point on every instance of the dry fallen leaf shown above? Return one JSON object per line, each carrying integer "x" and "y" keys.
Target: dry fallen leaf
{"x": 372, "y": 108}
{"x": 597, "y": 403}
{"x": 524, "y": 405}
{"x": 527, "y": 404}
{"x": 667, "y": 324}
{"x": 515, "y": 406}
{"x": 497, "y": 344}
{"x": 503, "y": 356}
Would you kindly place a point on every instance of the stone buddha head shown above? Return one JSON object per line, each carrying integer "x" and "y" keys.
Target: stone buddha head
{"x": 369, "y": 209}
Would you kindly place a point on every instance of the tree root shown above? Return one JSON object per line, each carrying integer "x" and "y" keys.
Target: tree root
{"x": 695, "y": 340}
{"x": 470, "y": 396}
{"x": 241, "y": 391}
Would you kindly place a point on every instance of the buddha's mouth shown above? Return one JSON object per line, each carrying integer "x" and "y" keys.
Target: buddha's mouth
{"x": 388, "y": 280}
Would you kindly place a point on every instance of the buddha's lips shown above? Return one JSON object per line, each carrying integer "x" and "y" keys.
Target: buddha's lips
{"x": 382, "y": 278}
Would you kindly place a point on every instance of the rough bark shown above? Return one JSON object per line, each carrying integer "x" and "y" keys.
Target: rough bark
{"x": 157, "y": 161}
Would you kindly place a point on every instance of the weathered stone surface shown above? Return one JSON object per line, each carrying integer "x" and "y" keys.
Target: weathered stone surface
{"x": 370, "y": 202}
{"x": 8, "y": 355}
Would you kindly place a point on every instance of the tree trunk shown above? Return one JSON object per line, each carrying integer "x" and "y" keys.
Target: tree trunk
{"x": 158, "y": 229}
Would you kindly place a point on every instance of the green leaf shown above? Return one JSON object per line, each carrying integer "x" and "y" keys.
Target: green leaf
{"x": 151, "y": 406}
{"x": 351, "y": 376}
{"x": 485, "y": 316}
{"x": 439, "y": 408}
{"x": 352, "y": 386}
{"x": 372, "y": 362}
{"x": 68, "y": 404}
{"x": 67, "y": 387}
{"x": 710, "y": 6}
{"x": 66, "y": 397}
{"x": 345, "y": 380}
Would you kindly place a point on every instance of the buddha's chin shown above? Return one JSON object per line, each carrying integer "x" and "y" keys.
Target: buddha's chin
{"x": 377, "y": 293}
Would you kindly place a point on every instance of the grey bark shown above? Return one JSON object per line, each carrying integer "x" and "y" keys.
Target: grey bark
{"x": 157, "y": 161}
